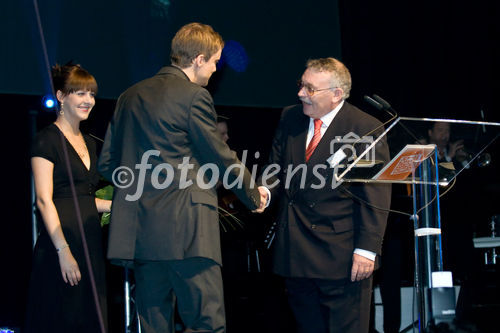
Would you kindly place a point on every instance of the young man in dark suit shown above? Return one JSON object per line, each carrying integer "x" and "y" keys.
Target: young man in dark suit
{"x": 328, "y": 236}
{"x": 164, "y": 217}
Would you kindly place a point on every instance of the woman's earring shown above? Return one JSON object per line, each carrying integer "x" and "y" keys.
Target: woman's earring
{"x": 61, "y": 112}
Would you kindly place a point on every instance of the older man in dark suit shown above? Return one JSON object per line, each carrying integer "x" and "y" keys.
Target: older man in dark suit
{"x": 164, "y": 155}
{"x": 328, "y": 237}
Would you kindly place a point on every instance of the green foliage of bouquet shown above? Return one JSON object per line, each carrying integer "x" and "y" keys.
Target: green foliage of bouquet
{"x": 105, "y": 193}
{"x": 227, "y": 217}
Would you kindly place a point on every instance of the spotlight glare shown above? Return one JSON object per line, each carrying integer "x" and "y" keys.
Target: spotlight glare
{"x": 48, "y": 102}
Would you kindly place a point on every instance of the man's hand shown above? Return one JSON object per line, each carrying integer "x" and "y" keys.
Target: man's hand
{"x": 263, "y": 200}
{"x": 362, "y": 267}
{"x": 456, "y": 149}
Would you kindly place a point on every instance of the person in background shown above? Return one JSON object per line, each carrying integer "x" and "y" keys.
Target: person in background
{"x": 439, "y": 134}
{"x": 222, "y": 128}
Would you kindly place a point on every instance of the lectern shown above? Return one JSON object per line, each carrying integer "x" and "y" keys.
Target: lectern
{"x": 428, "y": 172}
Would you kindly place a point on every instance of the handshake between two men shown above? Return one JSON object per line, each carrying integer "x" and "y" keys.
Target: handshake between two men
{"x": 264, "y": 199}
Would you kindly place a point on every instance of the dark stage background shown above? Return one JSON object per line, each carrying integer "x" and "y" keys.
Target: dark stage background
{"x": 436, "y": 59}
{"x": 124, "y": 41}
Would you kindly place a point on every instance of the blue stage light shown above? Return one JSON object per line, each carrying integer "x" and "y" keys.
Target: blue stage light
{"x": 6, "y": 330}
{"x": 48, "y": 102}
{"x": 235, "y": 56}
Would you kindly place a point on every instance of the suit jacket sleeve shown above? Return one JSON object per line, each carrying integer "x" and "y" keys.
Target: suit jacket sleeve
{"x": 210, "y": 147}
{"x": 370, "y": 213}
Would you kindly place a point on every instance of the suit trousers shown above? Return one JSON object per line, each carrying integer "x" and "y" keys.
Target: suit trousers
{"x": 194, "y": 284}
{"x": 330, "y": 306}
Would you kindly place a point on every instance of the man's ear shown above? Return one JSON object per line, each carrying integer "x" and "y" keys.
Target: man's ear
{"x": 337, "y": 95}
{"x": 199, "y": 60}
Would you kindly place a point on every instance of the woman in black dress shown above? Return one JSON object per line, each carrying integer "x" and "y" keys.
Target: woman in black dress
{"x": 61, "y": 296}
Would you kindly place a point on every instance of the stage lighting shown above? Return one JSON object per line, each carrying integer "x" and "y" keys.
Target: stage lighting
{"x": 6, "y": 330}
{"x": 48, "y": 102}
{"x": 235, "y": 56}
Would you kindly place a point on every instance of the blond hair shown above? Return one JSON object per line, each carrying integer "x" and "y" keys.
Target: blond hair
{"x": 192, "y": 40}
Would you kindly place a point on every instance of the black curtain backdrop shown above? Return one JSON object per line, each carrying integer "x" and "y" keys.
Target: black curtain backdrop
{"x": 124, "y": 41}
{"x": 427, "y": 58}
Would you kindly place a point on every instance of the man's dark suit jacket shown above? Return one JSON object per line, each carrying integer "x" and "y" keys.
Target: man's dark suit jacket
{"x": 176, "y": 117}
{"x": 320, "y": 228}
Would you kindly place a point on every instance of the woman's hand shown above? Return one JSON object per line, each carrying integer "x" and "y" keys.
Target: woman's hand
{"x": 69, "y": 267}
{"x": 43, "y": 175}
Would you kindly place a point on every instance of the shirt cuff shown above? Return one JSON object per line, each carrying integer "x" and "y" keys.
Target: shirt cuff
{"x": 268, "y": 196}
{"x": 365, "y": 253}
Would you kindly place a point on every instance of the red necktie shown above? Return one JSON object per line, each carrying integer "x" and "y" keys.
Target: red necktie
{"x": 315, "y": 139}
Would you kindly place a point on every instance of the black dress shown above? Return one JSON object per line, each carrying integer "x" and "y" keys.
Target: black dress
{"x": 53, "y": 305}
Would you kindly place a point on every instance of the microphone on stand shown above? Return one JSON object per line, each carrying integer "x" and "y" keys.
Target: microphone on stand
{"x": 381, "y": 104}
{"x": 386, "y": 105}
{"x": 373, "y": 103}
{"x": 380, "y": 107}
